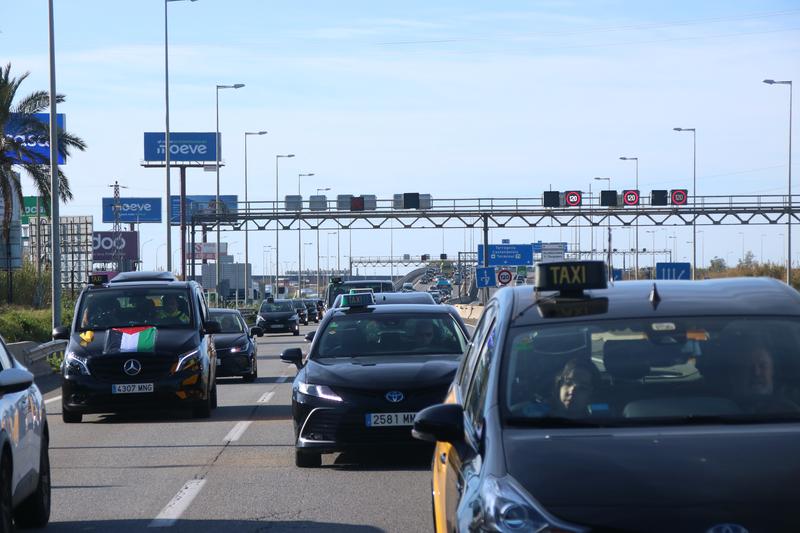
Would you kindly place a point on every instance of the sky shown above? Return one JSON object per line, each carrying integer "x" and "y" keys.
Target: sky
{"x": 457, "y": 99}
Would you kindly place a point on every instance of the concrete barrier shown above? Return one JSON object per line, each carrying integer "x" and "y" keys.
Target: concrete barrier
{"x": 34, "y": 356}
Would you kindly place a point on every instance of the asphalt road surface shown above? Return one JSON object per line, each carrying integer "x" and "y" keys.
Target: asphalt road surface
{"x": 232, "y": 471}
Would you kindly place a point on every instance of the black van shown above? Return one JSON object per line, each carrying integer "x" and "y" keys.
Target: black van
{"x": 140, "y": 342}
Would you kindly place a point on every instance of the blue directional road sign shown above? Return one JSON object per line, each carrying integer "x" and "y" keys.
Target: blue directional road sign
{"x": 537, "y": 246}
{"x": 508, "y": 254}
{"x": 674, "y": 271}
{"x": 484, "y": 277}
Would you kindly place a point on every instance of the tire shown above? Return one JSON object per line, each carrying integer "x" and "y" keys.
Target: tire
{"x": 252, "y": 376}
{"x": 69, "y": 417}
{"x": 213, "y": 394}
{"x": 307, "y": 459}
{"x": 6, "y": 506}
{"x": 35, "y": 510}
{"x": 295, "y": 333}
{"x": 202, "y": 408}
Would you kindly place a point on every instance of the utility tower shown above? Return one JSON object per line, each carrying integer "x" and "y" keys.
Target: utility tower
{"x": 117, "y": 258}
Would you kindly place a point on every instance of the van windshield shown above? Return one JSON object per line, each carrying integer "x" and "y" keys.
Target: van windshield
{"x": 135, "y": 306}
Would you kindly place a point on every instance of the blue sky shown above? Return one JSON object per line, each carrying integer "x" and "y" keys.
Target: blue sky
{"x": 456, "y": 99}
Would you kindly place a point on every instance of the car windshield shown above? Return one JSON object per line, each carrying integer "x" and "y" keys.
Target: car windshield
{"x": 276, "y": 307}
{"x": 298, "y": 304}
{"x": 135, "y": 306}
{"x": 229, "y": 322}
{"x": 664, "y": 371}
{"x": 373, "y": 334}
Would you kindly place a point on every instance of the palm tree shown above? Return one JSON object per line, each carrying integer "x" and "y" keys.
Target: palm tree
{"x": 14, "y": 154}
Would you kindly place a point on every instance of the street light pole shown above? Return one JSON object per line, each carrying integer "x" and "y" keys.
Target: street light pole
{"x": 55, "y": 235}
{"x": 299, "y": 235}
{"x": 247, "y": 210}
{"x": 277, "y": 224}
{"x": 694, "y": 196}
{"x": 216, "y": 207}
{"x": 636, "y": 241}
{"x": 789, "y": 220}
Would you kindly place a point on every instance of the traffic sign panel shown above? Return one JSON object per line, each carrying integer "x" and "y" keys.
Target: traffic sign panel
{"x": 572, "y": 198}
{"x": 679, "y": 196}
{"x": 484, "y": 277}
{"x": 673, "y": 271}
{"x": 630, "y": 197}
{"x": 508, "y": 254}
{"x": 504, "y": 277}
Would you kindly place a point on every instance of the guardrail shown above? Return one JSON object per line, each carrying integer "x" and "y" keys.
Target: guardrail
{"x": 34, "y": 356}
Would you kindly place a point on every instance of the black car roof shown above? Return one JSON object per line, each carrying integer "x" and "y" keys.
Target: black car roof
{"x": 631, "y": 299}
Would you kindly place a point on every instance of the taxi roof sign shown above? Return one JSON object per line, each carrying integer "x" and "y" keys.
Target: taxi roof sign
{"x": 570, "y": 276}
{"x": 359, "y": 299}
{"x": 98, "y": 279}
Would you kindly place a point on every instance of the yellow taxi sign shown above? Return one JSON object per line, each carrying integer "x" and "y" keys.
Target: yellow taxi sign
{"x": 98, "y": 279}
{"x": 570, "y": 276}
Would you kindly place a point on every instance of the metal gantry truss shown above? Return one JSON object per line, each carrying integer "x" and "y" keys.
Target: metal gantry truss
{"x": 509, "y": 213}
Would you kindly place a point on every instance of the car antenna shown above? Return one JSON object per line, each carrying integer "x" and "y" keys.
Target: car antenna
{"x": 654, "y": 297}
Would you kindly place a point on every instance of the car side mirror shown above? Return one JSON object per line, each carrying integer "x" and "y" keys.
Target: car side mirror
{"x": 212, "y": 327}
{"x": 310, "y": 335}
{"x": 294, "y": 356}
{"x": 15, "y": 380}
{"x": 256, "y": 331}
{"x": 60, "y": 333}
{"x": 443, "y": 422}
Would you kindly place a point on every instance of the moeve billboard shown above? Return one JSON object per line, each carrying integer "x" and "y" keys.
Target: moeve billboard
{"x": 133, "y": 210}
{"x": 183, "y": 146}
{"x": 29, "y": 208}
{"x": 105, "y": 243}
{"x": 35, "y": 141}
{"x": 201, "y": 204}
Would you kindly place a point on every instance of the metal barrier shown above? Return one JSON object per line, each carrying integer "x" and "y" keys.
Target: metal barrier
{"x": 34, "y": 356}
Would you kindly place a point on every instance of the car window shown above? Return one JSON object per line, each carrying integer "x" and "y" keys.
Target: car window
{"x": 361, "y": 334}
{"x": 229, "y": 322}
{"x": 135, "y": 306}
{"x": 476, "y": 393}
{"x": 276, "y": 307}
{"x": 464, "y": 374}
{"x": 5, "y": 357}
{"x": 663, "y": 370}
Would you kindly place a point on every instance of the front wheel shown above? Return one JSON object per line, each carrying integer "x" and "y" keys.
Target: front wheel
{"x": 296, "y": 333}
{"x": 35, "y": 510}
{"x": 69, "y": 417}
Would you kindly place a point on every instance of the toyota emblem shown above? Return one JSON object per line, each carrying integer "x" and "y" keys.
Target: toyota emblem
{"x": 395, "y": 396}
{"x": 132, "y": 367}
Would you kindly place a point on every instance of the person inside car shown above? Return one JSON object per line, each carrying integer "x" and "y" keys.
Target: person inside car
{"x": 171, "y": 310}
{"x": 573, "y": 389}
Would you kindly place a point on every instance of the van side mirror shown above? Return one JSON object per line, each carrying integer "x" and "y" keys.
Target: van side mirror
{"x": 256, "y": 331}
{"x": 212, "y": 327}
{"x": 60, "y": 333}
{"x": 443, "y": 422}
{"x": 294, "y": 356}
{"x": 310, "y": 335}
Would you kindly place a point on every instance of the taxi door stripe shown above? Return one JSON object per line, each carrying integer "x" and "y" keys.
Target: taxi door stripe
{"x": 178, "y": 505}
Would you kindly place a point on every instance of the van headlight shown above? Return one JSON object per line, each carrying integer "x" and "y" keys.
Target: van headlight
{"x": 74, "y": 365}
{"x": 507, "y": 507}
{"x": 189, "y": 361}
{"x": 318, "y": 391}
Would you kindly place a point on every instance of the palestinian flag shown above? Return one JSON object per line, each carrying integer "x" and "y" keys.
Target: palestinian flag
{"x": 138, "y": 339}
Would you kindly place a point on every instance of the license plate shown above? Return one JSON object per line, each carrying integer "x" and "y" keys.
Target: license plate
{"x": 132, "y": 388}
{"x": 277, "y": 326}
{"x": 390, "y": 419}
{"x": 219, "y": 361}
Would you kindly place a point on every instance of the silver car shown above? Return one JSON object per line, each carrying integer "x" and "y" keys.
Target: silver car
{"x": 24, "y": 438}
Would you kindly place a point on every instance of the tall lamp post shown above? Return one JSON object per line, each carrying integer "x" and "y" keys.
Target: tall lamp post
{"x": 300, "y": 234}
{"x": 216, "y": 207}
{"x": 319, "y": 287}
{"x": 55, "y": 234}
{"x": 247, "y": 210}
{"x": 636, "y": 241}
{"x": 789, "y": 218}
{"x": 694, "y": 196}
{"x": 610, "y": 265}
{"x": 277, "y": 224}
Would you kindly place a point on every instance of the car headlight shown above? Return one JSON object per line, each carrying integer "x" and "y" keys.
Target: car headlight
{"x": 507, "y": 507}
{"x": 74, "y": 365}
{"x": 242, "y": 348}
{"x": 189, "y": 361}
{"x": 318, "y": 391}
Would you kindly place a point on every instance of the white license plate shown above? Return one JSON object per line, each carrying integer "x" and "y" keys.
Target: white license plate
{"x": 277, "y": 326}
{"x": 219, "y": 361}
{"x": 389, "y": 419}
{"x": 132, "y": 388}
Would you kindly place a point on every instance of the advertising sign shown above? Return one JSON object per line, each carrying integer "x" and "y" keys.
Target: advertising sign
{"x": 106, "y": 243}
{"x": 133, "y": 210}
{"x": 674, "y": 271}
{"x": 508, "y": 254}
{"x": 183, "y": 146}
{"x": 29, "y": 208}
{"x": 206, "y": 250}
{"x": 11, "y": 250}
{"x": 35, "y": 141}
{"x": 201, "y": 204}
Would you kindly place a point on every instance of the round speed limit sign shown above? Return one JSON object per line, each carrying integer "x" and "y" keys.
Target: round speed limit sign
{"x": 504, "y": 277}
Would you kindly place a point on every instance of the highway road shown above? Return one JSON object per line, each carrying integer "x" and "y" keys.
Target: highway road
{"x": 234, "y": 470}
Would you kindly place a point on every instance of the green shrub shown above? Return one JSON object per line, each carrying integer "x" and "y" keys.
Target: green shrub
{"x": 22, "y": 324}
{"x": 55, "y": 360}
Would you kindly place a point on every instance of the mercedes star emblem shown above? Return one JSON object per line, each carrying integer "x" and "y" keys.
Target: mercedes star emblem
{"x": 132, "y": 367}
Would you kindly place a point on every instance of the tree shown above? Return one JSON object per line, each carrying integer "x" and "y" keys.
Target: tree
{"x": 748, "y": 262}
{"x": 717, "y": 265}
{"x": 15, "y": 154}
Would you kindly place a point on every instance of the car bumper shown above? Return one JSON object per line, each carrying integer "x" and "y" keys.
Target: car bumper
{"x": 286, "y": 327}
{"x": 234, "y": 364}
{"x": 86, "y": 394}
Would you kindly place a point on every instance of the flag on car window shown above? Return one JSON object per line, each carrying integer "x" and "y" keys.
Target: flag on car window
{"x": 138, "y": 339}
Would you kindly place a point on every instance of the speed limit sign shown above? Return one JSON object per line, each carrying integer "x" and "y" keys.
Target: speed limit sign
{"x": 679, "y": 196}
{"x": 630, "y": 197}
{"x": 572, "y": 198}
{"x": 504, "y": 277}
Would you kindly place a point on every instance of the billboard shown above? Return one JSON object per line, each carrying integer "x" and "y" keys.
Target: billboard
{"x": 29, "y": 208}
{"x": 206, "y": 250}
{"x": 35, "y": 141}
{"x": 11, "y": 250}
{"x": 201, "y": 204}
{"x": 133, "y": 210}
{"x": 106, "y": 243}
{"x": 183, "y": 146}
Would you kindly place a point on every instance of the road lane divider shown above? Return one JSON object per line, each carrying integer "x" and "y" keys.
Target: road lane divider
{"x": 237, "y": 431}
{"x": 266, "y": 397}
{"x": 178, "y": 505}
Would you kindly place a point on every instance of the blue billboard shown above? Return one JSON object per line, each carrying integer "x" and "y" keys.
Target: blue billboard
{"x": 201, "y": 204}
{"x": 35, "y": 141}
{"x": 183, "y": 146}
{"x": 133, "y": 210}
{"x": 507, "y": 254}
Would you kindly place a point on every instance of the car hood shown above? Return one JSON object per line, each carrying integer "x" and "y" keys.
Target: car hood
{"x": 283, "y": 315}
{"x": 223, "y": 341}
{"x": 169, "y": 341}
{"x": 382, "y": 372}
{"x": 687, "y": 479}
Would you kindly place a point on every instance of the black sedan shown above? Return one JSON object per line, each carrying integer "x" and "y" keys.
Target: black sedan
{"x": 301, "y": 309}
{"x": 278, "y": 316}
{"x": 369, "y": 370}
{"x": 237, "y": 353}
{"x": 313, "y": 311}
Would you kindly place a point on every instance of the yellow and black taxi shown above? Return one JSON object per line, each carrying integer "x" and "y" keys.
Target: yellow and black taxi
{"x": 369, "y": 370}
{"x": 642, "y": 406}
{"x": 237, "y": 351}
{"x": 143, "y": 341}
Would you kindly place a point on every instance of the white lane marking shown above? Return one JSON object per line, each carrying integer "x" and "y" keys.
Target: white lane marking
{"x": 266, "y": 397}
{"x": 178, "y": 505}
{"x": 54, "y": 399}
{"x": 237, "y": 431}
